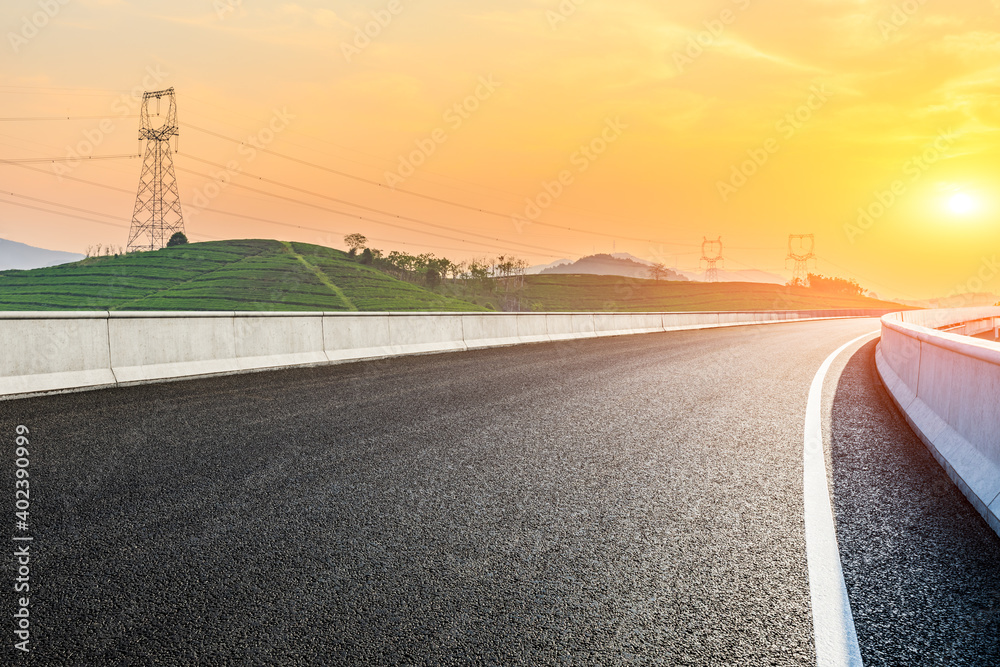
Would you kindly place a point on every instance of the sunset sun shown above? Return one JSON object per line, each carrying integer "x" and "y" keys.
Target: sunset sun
{"x": 962, "y": 203}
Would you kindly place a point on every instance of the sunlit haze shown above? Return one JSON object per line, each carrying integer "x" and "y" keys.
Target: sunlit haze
{"x": 558, "y": 128}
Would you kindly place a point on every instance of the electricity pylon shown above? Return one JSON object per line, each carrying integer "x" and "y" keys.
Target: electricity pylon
{"x": 157, "y": 214}
{"x": 800, "y": 253}
{"x": 711, "y": 254}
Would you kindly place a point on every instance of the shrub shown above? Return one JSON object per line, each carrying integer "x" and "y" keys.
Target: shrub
{"x": 177, "y": 239}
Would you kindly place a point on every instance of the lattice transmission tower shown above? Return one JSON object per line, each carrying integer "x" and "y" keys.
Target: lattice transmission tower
{"x": 157, "y": 214}
{"x": 711, "y": 254}
{"x": 800, "y": 251}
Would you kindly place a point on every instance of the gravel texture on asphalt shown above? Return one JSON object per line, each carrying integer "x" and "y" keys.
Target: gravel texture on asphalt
{"x": 626, "y": 500}
{"x": 922, "y": 567}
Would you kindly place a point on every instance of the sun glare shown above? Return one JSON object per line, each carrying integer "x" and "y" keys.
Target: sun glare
{"x": 961, "y": 203}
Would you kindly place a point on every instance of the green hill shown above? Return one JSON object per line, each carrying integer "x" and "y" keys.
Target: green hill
{"x": 597, "y": 293}
{"x": 219, "y": 275}
{"x": 276, "y": 275}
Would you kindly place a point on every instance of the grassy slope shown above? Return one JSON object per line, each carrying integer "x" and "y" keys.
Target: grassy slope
{"x": 218, "y": 275}
{"x": 586, "y": 293}
{"x": 273, "y": 275}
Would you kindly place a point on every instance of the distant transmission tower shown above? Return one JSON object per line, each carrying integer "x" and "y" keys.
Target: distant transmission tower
{"x": 711, "y": 254}
{"x": 157, "y": 215}
{"x": 800, "y": 251}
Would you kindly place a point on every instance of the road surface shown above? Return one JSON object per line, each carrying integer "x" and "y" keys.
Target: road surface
{"x": 611, "y": 501}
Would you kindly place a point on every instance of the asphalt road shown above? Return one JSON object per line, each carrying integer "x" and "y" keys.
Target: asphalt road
{"x": 613, "y": 501}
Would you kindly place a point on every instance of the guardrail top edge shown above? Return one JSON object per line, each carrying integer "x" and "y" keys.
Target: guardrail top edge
{"x": 133, "y": 314}
{"x": 968, "y": 346}
{"x": 54, "y": 315}
{"x": 171, "y": 314}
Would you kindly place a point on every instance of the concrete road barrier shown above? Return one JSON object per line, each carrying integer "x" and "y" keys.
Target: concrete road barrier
{"x": 947, "y": 386}
{"x": 271, "y": 340}
{"x": 353, "y": 336}
{"x": 164, "y": 345}
{"x": 64, "y": 351}
{"x": 42, "y": 352}
{"x": 614, "y": 324}
{"x": 489, "y": 330}
{"x": 647, "y": 322}
{"x": 566, "y": 326}
{"x": 681, "y": 321}
{"x": 532, "y": 328}
{"x": 422, "y": 333}
{"x": 729, "y": 319}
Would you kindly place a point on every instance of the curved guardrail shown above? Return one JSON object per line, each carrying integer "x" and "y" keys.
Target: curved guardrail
{"x": 42, "y": 352}
{"x": 947, "y": 386}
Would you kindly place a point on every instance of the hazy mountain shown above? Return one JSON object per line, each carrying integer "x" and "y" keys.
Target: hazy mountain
{"x": 538, "y": 268}
{"x": 14, "y": 255}
{"x": 630, "y": 256}
{"x": 743, "y": 276}
{"x": 627, "y": 264}
{"x": 608, "y": 265}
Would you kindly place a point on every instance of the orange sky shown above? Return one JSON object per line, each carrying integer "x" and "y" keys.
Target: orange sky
{"x": 741, "y": 118}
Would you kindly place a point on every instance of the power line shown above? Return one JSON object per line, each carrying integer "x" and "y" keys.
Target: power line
{"x": 52, "y": 203}
{"x": 496, "y": 243}
{"x": 355, "y": 215}
{"x": 360, "y": 179}
{"x": 68, "y": 215}
{"x": 75, "y": 178}
{"x": 420, "y": 175}
{"x": 380, "y": 158}
{"x": 440, "y": 200}
{"x": 67, "y": 159}
{"x": 241, "y": 215}
{"x": 328, "y": 231}
{"x": 47, "y": 90}
{"x": 481, "y": 210}
{"x": 215, "y": 238}
{"x": 33, "y": 118}
{"x": 429, "y": 197}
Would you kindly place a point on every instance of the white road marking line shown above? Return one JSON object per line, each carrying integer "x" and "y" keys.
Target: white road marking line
{"x": 833, "y": 625}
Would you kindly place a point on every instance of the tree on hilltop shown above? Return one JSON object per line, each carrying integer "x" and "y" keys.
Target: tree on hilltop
{"x": 356, "y": 242}
{"x": 834, "y": 285}
{"x": 177, "y": 239}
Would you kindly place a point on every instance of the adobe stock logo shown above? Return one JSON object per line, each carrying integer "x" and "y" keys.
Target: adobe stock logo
{"x": 914, "y": 168}
{"x": 31, "y": 26}
{"x": 697, "y": 43}
{"x": 381, "y": 19}
{"x": 248, "y": 148}
{"x": 565, "y": 9}
{"x": 582, "y": 159}
{"x": 126, "y": 104}
{"x": 789, "y": 125}
{"x": 901, "y": 14}
{"x": 224, "y": 7}
{"x": 455, "y": 117}
{"x": 988, "y": 270}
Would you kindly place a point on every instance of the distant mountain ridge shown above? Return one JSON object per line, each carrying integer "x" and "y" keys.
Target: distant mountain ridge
{"x": 741, "y": 276}
{"x": 609, "y": 265}
{"x": 630, "y": 266}
{"x": 538, "y": 268}
{"x": 14, "y": 255}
